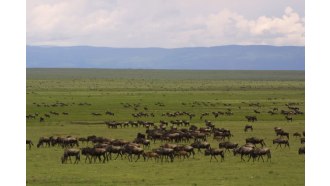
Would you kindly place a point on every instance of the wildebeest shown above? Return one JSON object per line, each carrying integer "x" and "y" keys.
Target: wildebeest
{"x": 165, "y": 152}
{"x": 251, "y": 118}
{"x": 281, "y": 141}
{"x": 94, "y": 153}
{"x": 148, "y": 155}
{"x": 215, "y": 152}
{"x": 42, "y": 141}
{"x": 282, "y": 133}
{"x": 200, "y": 145}
{"x": 302, "y": 140}
{"x": 109, "y": 113}
{"x": 71, "y": 152}
{"x": 228, "y": 145}
{"x": 243, "y": 151}
{"x": 112, "y": 149}
{"x": 29, "y": 142}
{"x": 255, "y": 140}
{"x": 248, "y": 127}
{"x": 260, "y": 152}
{"x": 301, "y": 150}
{"x": 133, "y": 150}
{"x": 41, "y": 119}
{"x": 189, "y": 149}
{"x": 297, "y": 134}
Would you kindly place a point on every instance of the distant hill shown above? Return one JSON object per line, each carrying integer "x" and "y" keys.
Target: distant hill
{"x": 231, "y": 57}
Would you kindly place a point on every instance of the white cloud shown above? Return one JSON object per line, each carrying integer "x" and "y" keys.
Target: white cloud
{"x": 156, "y": 23}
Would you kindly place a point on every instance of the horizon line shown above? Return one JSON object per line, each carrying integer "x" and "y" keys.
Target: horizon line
{"x": 95, "y": 68}
{"x": 163, "y": 47}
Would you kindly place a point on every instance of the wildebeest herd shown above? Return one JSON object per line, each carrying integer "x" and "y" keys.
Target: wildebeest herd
{"x": 180, "y": 144}
{"x": 180, "y": 140}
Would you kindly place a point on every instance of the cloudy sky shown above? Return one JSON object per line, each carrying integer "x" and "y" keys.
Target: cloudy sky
{"x": 165, "y": 23}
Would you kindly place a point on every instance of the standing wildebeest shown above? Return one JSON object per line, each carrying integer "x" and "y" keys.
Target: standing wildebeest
{"x": 251, "y": 118}
{"x": 281, "y": 141}
{"x": 260, "y": 152}
{"x": 301, "y": 150}
{"x": 255, "y": 140}
{"x": 214, "y": 153}
{"x": 71, "y": 152}
{"x": 29, "y": 142}
{"x": 248, "y": 127}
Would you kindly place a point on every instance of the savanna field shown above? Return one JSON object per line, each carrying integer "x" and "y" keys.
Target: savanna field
{"x": 74, "y": 94}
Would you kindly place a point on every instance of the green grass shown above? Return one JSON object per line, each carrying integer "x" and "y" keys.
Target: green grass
{"x": 108, "y": 92}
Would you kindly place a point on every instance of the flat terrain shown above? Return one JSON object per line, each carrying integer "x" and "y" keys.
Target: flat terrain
{"x": 191, "y": 91}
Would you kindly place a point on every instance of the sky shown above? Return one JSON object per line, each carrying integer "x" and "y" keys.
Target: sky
{"x": 165, "y": 23}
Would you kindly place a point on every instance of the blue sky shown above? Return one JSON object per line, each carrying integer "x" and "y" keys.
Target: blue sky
{"x": 165, "y": 23}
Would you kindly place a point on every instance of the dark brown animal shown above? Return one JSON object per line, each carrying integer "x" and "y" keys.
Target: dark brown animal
{"x": 280, "y": 141}
{"x": 29, "y": 142}
{"x": 215, "y": 152}
{"x": 71, "y": 152}
{"x": 247, "y": 127}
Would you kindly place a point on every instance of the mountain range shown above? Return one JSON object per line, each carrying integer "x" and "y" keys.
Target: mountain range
{"x": 229, "y": 57}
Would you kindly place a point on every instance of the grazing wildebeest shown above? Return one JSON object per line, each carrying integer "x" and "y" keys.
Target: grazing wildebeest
{"x": 248, "y": 127}
{"x": 255, "y": 140}
{"x": 251, "y": 118}
{"x": 71, "y": 152}
{"x": 47, "y": 115}
{"x": 281, "y": 141}
{"x": 65, "y": 113}
{"x": 260, "y": 152}
{"x": 301, "y": 150}
{"x": 215, "y": 152}
{"x": 297, "y": 134}
{"x": 257, "y": 112}
{"x": 228, "y": 145}
{"x": 243, "y": 151}
{"x": 96, "y": 114}
{"x": 29, "y": 142}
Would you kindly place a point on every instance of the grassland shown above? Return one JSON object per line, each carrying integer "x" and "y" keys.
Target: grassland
{"x": 178, "y": 90}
